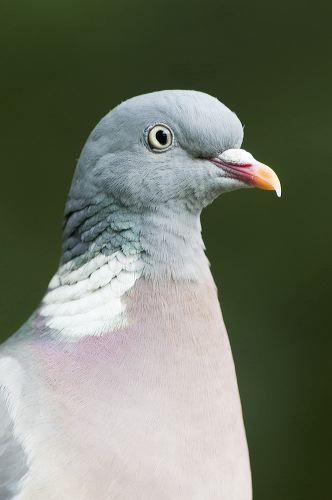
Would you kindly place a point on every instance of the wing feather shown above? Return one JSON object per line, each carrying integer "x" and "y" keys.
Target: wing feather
{"x": 13, "y": 459}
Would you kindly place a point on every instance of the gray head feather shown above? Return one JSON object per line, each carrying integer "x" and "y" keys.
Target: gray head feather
{"x": 117, "y": 162}
{"x": 126, "y": 195}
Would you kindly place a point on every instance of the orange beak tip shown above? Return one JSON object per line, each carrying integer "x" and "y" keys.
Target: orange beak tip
{"x": 265, "y": 178}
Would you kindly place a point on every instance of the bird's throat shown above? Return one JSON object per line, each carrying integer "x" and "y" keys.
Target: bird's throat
{"x": 167, "y": 237}
{"x": 106, "y": 250}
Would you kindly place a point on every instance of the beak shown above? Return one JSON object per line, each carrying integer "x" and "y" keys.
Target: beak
{"x": 241, "y": 165}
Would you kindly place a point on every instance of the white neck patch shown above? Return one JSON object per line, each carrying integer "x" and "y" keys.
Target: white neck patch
{"x": 89, "y": 300}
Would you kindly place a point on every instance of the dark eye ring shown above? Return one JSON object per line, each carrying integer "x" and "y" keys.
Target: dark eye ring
{"x": 160, "y": 137}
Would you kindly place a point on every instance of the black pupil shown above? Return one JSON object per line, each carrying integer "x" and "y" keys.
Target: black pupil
{"x": 162, "y": 137}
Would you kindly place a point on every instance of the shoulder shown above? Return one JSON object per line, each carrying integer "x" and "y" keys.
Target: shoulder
{"x": 11, "y": 372}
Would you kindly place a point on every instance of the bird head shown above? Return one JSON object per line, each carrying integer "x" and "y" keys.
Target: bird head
{"x": 168, "y": 145}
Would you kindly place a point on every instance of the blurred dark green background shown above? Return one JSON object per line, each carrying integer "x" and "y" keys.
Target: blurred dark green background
{"x": 65, "y": 64}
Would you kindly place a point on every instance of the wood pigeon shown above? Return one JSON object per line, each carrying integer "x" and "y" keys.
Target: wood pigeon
{"x": 121, "y": 385}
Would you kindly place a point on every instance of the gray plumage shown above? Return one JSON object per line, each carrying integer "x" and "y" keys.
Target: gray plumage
{"x": 121, "y": 385}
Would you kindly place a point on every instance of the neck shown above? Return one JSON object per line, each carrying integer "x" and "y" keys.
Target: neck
{"x": 106, "y": 249}
{"x": 167, "y": 238}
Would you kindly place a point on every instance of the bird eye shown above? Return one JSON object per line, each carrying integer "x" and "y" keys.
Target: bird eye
{"x": 160, "y": 137}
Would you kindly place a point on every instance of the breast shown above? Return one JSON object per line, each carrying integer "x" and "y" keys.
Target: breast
{"x": 151, "y": 410}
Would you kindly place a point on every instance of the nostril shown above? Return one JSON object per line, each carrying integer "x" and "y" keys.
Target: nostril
{"x": 237, "y": 158}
